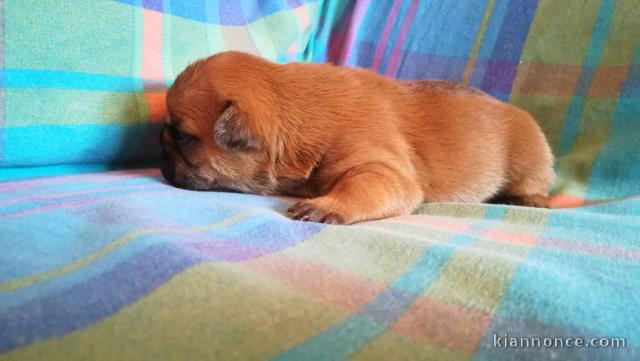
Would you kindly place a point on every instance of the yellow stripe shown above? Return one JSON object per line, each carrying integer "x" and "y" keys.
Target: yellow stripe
{"x": 476, "y": 44}
{"x": 26, "y": 281}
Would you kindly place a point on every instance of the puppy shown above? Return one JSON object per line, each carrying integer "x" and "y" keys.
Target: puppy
{"x": 358, "y": 146}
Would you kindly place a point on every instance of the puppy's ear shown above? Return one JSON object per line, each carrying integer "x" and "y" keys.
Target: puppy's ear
{"x": 232, "y": 130}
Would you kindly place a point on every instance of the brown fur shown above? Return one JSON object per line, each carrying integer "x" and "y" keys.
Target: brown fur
{"x": 358, "y": 145}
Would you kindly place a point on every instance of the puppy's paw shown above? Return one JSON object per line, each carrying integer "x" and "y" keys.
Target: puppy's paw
{"x": 310, "y": 211}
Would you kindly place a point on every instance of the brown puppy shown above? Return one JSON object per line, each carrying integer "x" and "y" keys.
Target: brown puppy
{"x": 358, "y": 145}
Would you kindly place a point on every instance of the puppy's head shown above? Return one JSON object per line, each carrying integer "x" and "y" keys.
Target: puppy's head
{"x": 221, "y": 125}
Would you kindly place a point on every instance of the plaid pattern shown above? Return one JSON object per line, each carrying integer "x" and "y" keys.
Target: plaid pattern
{"x": 574, "y": 65}
{"x": 83, "y": 82}
{"x": 128, "y": 268}
{"x": 119, "y": 266}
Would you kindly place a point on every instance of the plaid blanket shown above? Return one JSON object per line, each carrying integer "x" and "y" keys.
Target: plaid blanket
{"x": 120, "y": 266}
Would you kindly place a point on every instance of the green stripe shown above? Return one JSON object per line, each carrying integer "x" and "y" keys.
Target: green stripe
{"x": 167, "y": 34}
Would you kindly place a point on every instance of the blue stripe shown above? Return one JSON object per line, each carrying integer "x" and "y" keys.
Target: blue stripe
{"x": 231, "y": 11}
{"x": 448, "y": 19}
{"x": 488, "y": 43}
{"x": 502, "y": 67}
{"x": 31, "y": 78}
{"x": 514, "y": 30}
{"x": 619, "y": 159}
{"x": 72, "y": 143}
{"x": 2, "y": 86}
{"x": 22, "y": 173}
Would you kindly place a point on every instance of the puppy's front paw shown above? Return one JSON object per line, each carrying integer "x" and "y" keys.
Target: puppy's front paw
{"x": 310, "y": 211}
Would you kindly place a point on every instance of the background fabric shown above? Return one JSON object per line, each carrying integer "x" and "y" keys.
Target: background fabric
{"x": 82, "y": 82}
{"x": 575, "y": 65}
{"x": 119, "y": 265}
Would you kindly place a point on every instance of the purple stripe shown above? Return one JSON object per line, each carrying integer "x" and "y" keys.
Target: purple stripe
{"x": 226, "y": 250}
{"x": 91, "y": 301}
{"x": 76, "y": 203}
{"x": 631, "y": 87}
{"x": 499, "y": 77}
{"x": 256, "y": 239}
{"x": 388, "y": 305}
{"x": 399, "y": 43}
{"x": 230, "y": 12}
{"x": 584, "y": 82}
{"x": 377, "y": 57}
{"x": 48, "y": 196}
{"x": 501, "y": 70}
{"x": 155, "y": 5}
{"x": 420, "y": 66}
{"x": 107, "y": 177}
{"x": 594, "y": 249}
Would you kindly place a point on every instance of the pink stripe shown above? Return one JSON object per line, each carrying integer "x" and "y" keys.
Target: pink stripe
{"x": 433, "y": 222}
{"x": 294, "y": 47}
{"x": 524, "y": 239}
{"x": 40, "y": 197}
{"x": 512, "y": 237}
{"x": 152, "y": 45}
{"x": 336, "y": 287}
{"x": 72, "y": 204}
{"x": 303, "y": 16}
{"x": 404, "y": 31}
{"x": 110, "y": 176}
{"x": 352, "y": 32}
{"x": 377, "y": 57}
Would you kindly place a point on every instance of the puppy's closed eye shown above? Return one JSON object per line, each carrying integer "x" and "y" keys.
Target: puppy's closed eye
{"x": 232, "y": 130}
{"x": 180, "y": 137}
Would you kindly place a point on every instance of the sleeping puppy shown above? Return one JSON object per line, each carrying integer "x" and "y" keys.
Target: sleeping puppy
{"x": 356, "y": 145}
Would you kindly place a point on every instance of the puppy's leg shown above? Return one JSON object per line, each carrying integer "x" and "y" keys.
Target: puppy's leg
{"x": 530, "y": 173}
{"x": 367, "y": 192}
